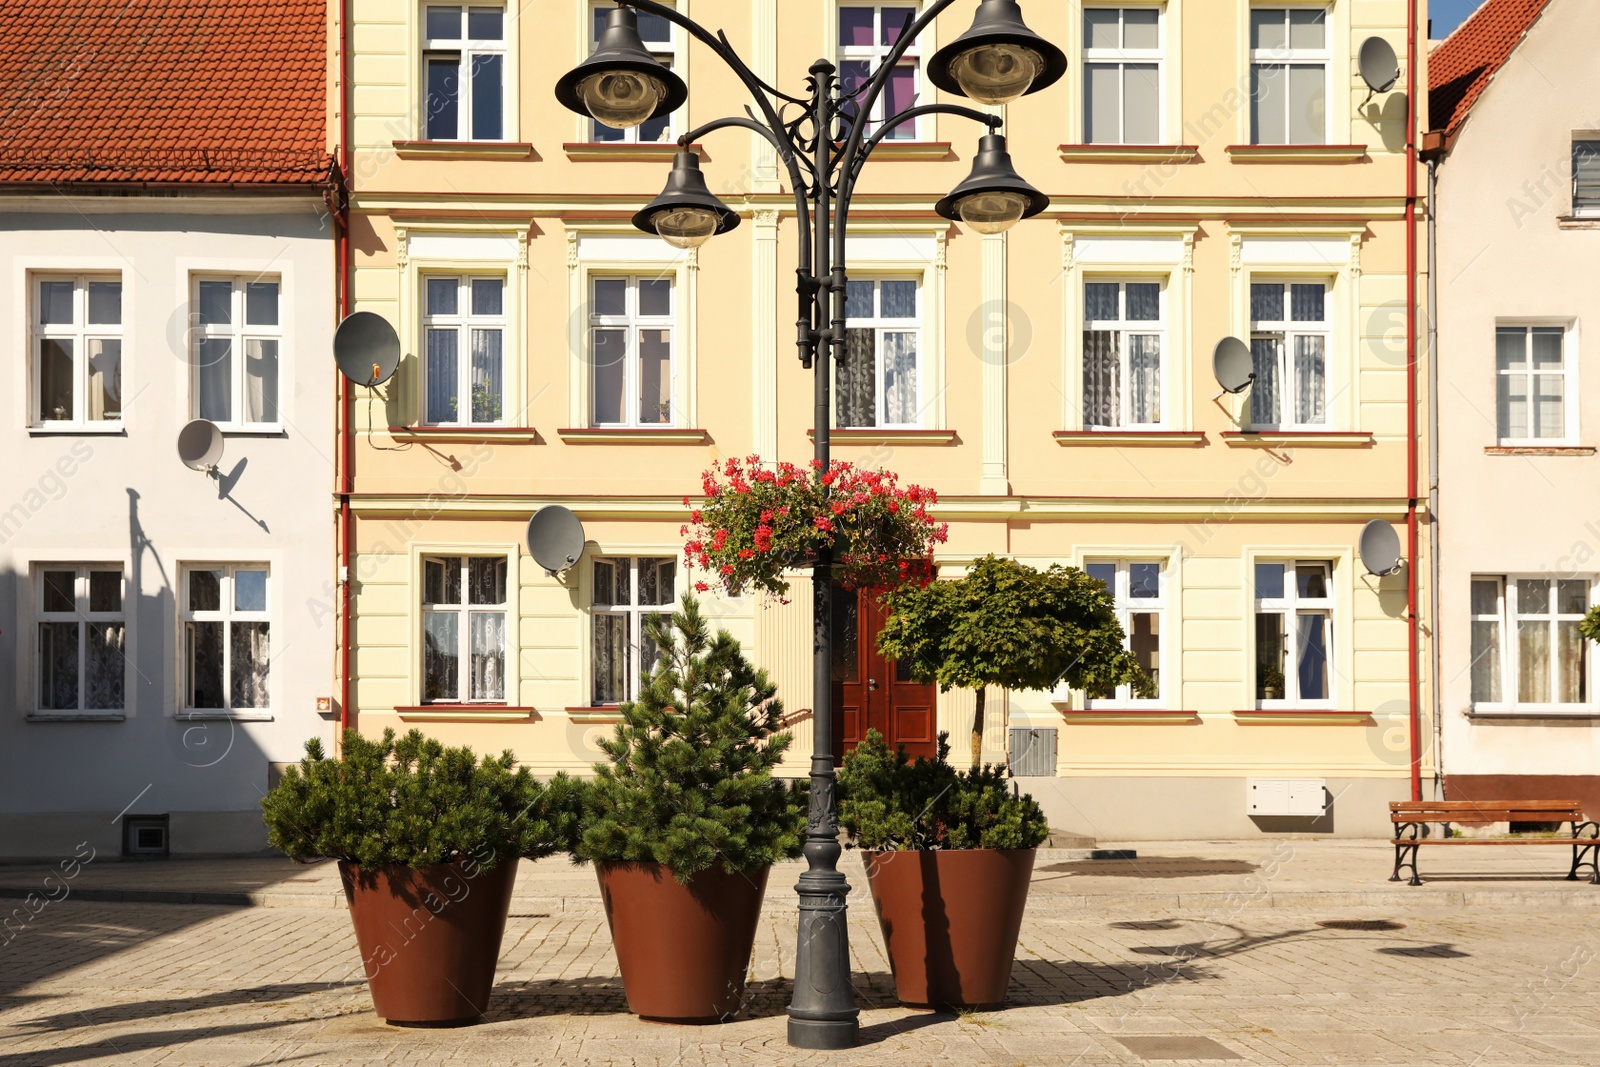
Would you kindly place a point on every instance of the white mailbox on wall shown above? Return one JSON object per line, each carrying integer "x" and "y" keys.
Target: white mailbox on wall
{"x": 1286, "y": 796}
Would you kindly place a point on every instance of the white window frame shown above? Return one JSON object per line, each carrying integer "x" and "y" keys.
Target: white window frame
{"x": 466, "y": 49}
{"x": 1509, "y": 617}
{"x": 1586, "y": 206}
{"x": 238, "y": 333}
{"x": 668, "y": 53}
{"x": 1125, "y": 329}
{"x": 1286, "y": 330}
{"x": 881, "y": 325}
{"x": 1291, "y": 606}
{"x": 1294, "y": 57}
{"x": 1128, "y": 606}
{"x": 633, "y": 323}
{"x": 634, "y": 612}
{"x": 227, "y": 614}
{"x": 1121, "y": 57}
{"x": 873, "y": 55}
{"x": 81, "y": 333}
{"x": 463, "y": 610}
{"x": 83, "y": 617}
{"x": 464, "y": 322}
{"x": 1568, "y": 375}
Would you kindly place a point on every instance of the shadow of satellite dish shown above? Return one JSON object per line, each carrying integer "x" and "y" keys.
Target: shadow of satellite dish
{"x": 366, "y": 348}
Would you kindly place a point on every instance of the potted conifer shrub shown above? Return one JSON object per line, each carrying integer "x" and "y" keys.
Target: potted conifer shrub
{"x": 427, "y": 840}
{"x": 686, "y": 820}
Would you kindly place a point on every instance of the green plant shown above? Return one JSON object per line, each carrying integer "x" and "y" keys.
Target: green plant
{"x": 1008, "y": 624}
{"x": 689, "y": 784}
{"x": 887, "y": 801}
{"x": 1589, "y": 625}
{"x": 412, "y": 802}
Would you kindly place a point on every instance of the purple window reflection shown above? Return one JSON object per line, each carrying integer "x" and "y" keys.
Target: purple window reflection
{"x": 899, "y": 94}
{"x": 855, "y": 26}
{"x": 895, "y": 22}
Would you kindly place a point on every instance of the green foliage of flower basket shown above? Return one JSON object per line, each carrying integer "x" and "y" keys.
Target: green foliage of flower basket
{"x": 887, "y": 801}
{"x": 412, "y": 802}
{"x": 690, "y": 784}
{"x": 1589, "y": 625}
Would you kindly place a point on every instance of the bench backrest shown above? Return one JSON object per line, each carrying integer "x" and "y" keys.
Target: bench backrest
{"x": 1485, "y": 810}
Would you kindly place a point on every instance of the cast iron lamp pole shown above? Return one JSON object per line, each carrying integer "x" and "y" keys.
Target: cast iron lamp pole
{"x": 621, "y": 84}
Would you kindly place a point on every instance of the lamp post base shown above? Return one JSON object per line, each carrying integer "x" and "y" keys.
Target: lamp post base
{"x": 825, "y": 1035}
{"x": 823, "y": 1013}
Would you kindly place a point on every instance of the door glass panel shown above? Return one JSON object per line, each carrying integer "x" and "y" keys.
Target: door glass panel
{"x": 846, "y": 636}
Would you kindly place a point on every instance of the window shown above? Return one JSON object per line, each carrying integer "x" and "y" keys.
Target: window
{"x": 1294, "y": 623}
{"x": 1532, "y": 392}
{"x": 464, "y": 623}
{"x": 227, "y": 640}
{"x": 82, "y": 638}
{"x": 1586, "y": 176}
{"x": 1122, "y": 75}
{"x": 866, "y": 34}
{"x": 1289, "y": 346}
{"x": 626, "y": 592}
{"x": 464, "y": 315}
{"x": 630, "y": 349}
{"x": 464, "y": 73}
{"x": 77, "y": 350}
{"x": 1526, "y": 646}
{"x": 1123, "y": 333}
{"x": 1138, "y": 589}
{"x": 1289, "y": 61}
{"x": 661, "y": 38}
{"x": 236, "y": 336}
{"x": 877, "y": 379}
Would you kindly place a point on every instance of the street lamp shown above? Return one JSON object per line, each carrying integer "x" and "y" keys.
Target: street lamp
{"x": 823, "y": 150}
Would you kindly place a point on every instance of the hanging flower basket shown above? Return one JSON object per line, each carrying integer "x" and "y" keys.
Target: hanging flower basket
{"x": 758, "y": 522}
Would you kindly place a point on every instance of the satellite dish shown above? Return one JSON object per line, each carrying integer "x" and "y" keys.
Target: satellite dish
{"x": 1378, "y": 65}
{"x": 366, "y": 348}
{"x": 1380, "y": 548}
{"x": 555, "y": 538}
{"x": 200, "y": 445}
{"x": 1233, "y": 365}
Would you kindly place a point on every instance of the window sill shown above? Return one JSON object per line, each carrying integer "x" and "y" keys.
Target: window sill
{"x": 926, "y": 151}
{"x": 1298, "y": 153}
{"x": 596, "y": 716}
{"x": 874, "y": 436}
{"x": 628, "y": 436}
{"x": 1578, "y": 222}
{"x": 623, "y": 152}
{"x": 1534, "y": 714}
{"x": 1128, "y": 716}
{"x": 1131, "y": 438}
{"x": 263, "y": 430}
{"x": 1128, "y": 153}
{"x": 1302, "y": 716}
{"x": 225, "y": 716}
{"x": 1298, "y": 438}
{"x": 115, "y": 429}
{"x": 465, "y": 433}
{"x": 1539, "y": 450}
{"x": 462, "y": 150}
{"x": 69, "y": 716}
{"x": 465, "y": 713}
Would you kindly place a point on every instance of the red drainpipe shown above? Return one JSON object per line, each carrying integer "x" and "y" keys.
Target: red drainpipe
{"x": 1412, "y": 442}
{"x": 346, "y": 432}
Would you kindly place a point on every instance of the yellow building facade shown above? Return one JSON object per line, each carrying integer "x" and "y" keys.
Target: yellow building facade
{"x": 1216, "y": 168}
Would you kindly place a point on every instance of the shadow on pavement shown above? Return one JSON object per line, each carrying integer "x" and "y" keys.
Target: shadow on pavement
{"x": 1156, "y": 867}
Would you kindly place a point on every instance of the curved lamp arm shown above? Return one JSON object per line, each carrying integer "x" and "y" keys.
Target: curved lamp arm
{"x": 847, "y": 181}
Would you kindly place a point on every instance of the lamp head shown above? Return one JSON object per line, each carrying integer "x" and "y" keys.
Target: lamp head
{"x": 686, "y": 214}
{"x": 998, "y": 59}
{"x": 621, "y": 84}
{"x": 994, "y": 197}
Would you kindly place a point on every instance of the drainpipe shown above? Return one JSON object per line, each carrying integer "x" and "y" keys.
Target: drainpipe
{"x": 345, "y": 431}
{"x": 1436, "y": 705}
{"x": 1412, "y": 444}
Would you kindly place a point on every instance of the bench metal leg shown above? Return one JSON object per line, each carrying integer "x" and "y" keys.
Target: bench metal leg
{"x": 1403, "y": 861}
{"x": 1585, "y": 852}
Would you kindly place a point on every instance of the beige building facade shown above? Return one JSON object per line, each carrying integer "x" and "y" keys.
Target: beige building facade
{"x": 1216, "y": 168}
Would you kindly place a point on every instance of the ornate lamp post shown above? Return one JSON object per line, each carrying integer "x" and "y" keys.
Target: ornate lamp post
{"x": 622, "y": 85}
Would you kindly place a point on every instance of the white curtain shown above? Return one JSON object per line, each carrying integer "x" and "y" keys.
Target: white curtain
{"x": 900, "y": 379}
{"x": 443, "y": 379}
{"x": 214, "y": 361}
{"x": 854, "y": 380}
{"x": 252, "y": 659}
{"x": 105, "y": 379}
{"x": 1264, "y": 391}
{"x": 103, "y": 667}
{"x": 1144, "y": 379}
{"x": 1311, "y": 380}
{"x": 488, "y": 655}
{"x": 260, "y": 380}
{"x": 1102, "y": 400}
{"x": 488, "y": 376}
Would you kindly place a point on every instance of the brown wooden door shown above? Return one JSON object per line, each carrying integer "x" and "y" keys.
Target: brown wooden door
{"x": 871, "y": 692}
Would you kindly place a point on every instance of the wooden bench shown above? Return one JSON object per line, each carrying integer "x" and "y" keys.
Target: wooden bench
{"x": 1410, "y": 818}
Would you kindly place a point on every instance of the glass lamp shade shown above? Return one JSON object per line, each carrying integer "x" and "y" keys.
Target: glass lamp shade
{"x": 992, "y": 212}
{"x": 686, "y": 227}
{"x": 621, "y": 99}
{"x": 996, "y": 73}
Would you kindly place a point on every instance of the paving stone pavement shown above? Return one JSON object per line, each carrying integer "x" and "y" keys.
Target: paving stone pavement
{"x": 1122, "y": 980}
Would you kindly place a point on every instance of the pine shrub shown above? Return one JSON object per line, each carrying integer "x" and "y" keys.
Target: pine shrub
{"x": 412, "y": 802}
{"x": 689, "y": 784}
{"x": 887, "y": 801}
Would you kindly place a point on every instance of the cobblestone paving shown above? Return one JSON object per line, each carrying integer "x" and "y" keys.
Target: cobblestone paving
{"x": 136, "y": 983}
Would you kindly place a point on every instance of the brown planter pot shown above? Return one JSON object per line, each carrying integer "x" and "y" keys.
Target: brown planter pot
{"x": 683, "y": 950}
{"x": 429, "y": 937}
{"x": 950, "y": 921}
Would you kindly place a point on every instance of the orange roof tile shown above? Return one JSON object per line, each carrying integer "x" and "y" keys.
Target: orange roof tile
{"x": 186, "y": 91}
{"x": 1461, "y": 68}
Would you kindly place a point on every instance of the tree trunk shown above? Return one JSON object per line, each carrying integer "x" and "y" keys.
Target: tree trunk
{"x": 977, "y": 729}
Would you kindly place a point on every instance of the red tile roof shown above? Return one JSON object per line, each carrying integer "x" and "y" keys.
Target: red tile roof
{"x": 202, "y": 91}
{"x": 1460, "y": 69}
